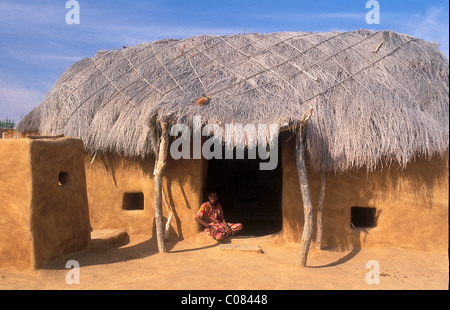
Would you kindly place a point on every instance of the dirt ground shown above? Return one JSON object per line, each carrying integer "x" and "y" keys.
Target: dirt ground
{"x": 197, "y": 265}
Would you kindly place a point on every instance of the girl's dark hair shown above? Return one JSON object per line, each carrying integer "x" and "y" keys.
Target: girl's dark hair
{"x": 212, "y": 190}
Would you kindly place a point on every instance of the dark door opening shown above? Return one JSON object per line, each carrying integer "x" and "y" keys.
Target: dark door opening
{"x": 248, "y": 195}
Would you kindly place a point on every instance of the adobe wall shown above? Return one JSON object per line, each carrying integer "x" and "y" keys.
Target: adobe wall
{"x": 412, "y": 205}
{"x": 16, "y": 239}
{"x": 41, "y": 219}
{"x": 8, "y": 133}
{"x": 110, "y": 176}
{"x": 60, "y": 215}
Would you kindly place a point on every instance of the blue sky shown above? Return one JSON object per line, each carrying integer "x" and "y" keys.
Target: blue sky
{"x": 37, "y": 45}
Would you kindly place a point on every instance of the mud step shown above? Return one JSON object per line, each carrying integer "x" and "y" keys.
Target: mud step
{"x": 105, "y": 240}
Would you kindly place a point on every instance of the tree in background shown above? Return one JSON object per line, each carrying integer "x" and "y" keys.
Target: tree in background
{"x": 7, "y": 123}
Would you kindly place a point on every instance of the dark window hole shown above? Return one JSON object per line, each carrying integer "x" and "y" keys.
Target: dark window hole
{"x": 63, "y": 179}
{"x": 133, "y": 201}
{"x": 362, "y": 217}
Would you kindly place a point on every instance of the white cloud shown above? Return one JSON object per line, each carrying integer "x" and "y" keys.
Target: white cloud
{"x": 33, "y": 58}
{"x": 19, "y": 16}
{"x": 433, "y": 26}
{"x": 135, "y": 34}
{"x": 358, "y": 16}
{"x": 17, "y": 100}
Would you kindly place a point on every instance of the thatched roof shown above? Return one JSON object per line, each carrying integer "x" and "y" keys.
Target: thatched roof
{"x": 30, "y": 123}
{"x": 377, "y": 97}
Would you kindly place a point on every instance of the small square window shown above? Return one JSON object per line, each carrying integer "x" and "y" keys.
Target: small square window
{"x": 63, "y": 179}
{"x": 362, "y": 217}
{"x": 133, "y": 201}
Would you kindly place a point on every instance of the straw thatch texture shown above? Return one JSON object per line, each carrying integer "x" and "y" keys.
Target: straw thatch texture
{"x": 372, "y": 104}
{"x": 30, "y": 123}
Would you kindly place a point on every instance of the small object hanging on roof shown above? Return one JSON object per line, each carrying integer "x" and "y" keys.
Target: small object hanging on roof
{"x": 203, "y": 100}
{"x": 378, "y": 47}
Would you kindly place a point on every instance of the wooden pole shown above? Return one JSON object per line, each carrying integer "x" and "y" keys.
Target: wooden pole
{"x": 170, "y": 211}
{"x": 319, "y": 210}
{"x": 304, "y": 188}
{"x": 45, "y": 137}
{"x": 158, "y": 173}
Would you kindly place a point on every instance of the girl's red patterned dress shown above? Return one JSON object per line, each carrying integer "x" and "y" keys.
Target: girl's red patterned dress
{"x": 213, "y": 215}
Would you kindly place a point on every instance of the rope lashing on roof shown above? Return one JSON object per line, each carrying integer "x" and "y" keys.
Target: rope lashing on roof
{"x": 362, "y": 70}
{"x": 112, "y": 84}
{"x": 284, "y": 62}
{"x": 294, "y": 57}
{"x": 165, "y": 68}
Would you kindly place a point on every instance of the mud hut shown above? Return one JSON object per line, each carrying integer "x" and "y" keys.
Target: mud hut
{"x": 377, "y": 134}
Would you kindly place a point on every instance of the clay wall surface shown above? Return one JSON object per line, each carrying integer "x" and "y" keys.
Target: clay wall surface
{"x": 411, "y": 205}
{"x": 110, "y": 176}
{"x": 107, "y": 179}
{"x": 16, "y": 240}
{"x": 8, "y": 133}
{"x": 39, "y": 218}
{"x": 60, "y": 215}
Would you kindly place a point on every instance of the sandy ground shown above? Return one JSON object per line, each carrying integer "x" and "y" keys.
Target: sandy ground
{"x": 200, "y": 265}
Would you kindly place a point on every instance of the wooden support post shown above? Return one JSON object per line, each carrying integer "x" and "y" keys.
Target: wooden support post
{"x": 304, "y": 188}
{"x": 319, "y": 210}
{"x": 170, "y": 211}
{"x": 158, "y": 174}
{"x": 45, "y": 137}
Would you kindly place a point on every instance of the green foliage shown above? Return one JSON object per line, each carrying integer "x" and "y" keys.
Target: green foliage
{"x": 7, "y": 123}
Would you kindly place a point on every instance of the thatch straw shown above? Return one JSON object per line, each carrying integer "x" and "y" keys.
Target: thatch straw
{"x": 31, "y": 122}
{"x": 370, "y": 107}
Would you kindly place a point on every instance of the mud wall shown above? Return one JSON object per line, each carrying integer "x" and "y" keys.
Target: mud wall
{"x": 44, "y": 209}
{"x": 16, "y": 238}
{"x": 8, "y": 133}
{"x": 411, "y": 205}
{"x": 111, "y": 176}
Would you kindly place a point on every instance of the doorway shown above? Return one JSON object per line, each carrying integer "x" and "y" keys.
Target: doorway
{"x": 248, "y": 195}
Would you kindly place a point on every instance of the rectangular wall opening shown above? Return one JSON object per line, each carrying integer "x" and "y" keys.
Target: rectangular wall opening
{"x": 133, "y": 201}
{"x": 363, "y": 217}
{"x": 247, "y": 194}
{"x": 63, "y": 179}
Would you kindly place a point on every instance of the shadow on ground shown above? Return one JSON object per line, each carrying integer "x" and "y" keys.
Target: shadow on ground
{"x": 356, "y": 248}
{"x": 119, "y": 254}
